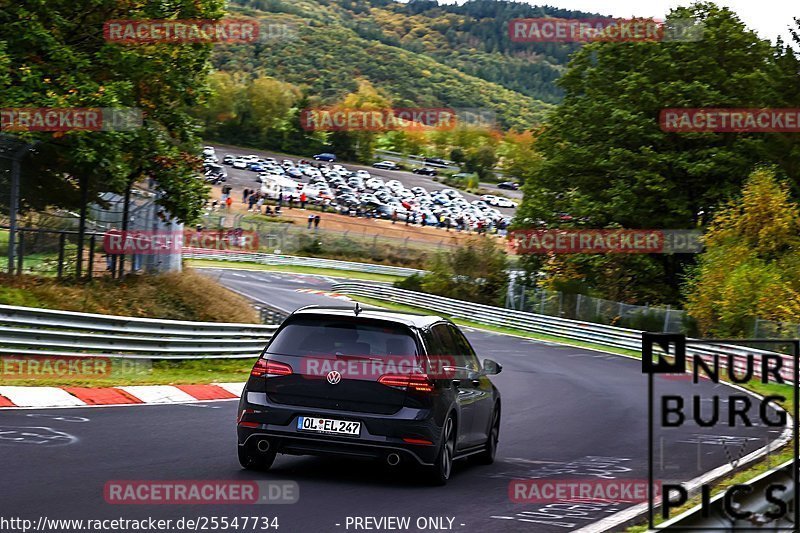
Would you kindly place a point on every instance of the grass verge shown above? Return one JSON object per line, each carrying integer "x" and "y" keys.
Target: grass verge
{"x": 172, "y": 296}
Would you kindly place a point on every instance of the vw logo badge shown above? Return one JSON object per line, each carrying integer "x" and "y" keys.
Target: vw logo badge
{"x": 334, "y": 377}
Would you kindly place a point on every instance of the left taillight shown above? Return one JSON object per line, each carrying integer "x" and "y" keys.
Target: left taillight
{"x": 268, "y": 368}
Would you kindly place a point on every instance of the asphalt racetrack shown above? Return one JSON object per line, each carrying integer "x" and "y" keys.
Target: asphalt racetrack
{"x": 568, "y": 413}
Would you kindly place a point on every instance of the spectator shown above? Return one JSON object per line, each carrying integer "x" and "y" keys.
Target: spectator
{"x": 259, "y": 203}
{"x": 228, "y": 203}
{"x": 317, "y": 220}
{"x": 303, "y": 199}
{"x": 394, "y": 216}
{"x": 280, "y": 202}
{"x": 502, "y": 226}
{"x": 245, "y": 194}
{"x": 408, "y": 218}
{"x": 252, "y": 199}
{"x": 310, "y": 219}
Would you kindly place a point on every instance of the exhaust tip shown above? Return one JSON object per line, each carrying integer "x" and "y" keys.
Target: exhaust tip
{"x": 263, "y": 445}
{"x": 393, "y": 459}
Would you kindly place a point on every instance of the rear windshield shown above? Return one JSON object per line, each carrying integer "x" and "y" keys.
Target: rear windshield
{"x": 315, "y": 336}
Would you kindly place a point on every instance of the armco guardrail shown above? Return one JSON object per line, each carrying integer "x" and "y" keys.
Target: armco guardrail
{"x": 714, "y": 518}
{"x": 42, "y": 332}
{"x": 599, "y": 334}
{"x": 294, "y": 260}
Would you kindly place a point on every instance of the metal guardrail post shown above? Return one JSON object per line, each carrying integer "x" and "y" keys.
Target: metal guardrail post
{"x": 62, "y": 240}
{"x": 90, "y": 266}
{"x": 20, "y": 252}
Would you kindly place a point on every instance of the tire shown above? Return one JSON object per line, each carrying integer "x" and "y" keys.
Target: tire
{"x": 486, "y": 457}
{"x": 254, "y": 460}
{"x": 439, "y": 473}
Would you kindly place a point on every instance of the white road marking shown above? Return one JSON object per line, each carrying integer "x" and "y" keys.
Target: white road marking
{"x": 158, "y": 393}
{"x": 233, "y": 388}
{"x": 40, "y": 397}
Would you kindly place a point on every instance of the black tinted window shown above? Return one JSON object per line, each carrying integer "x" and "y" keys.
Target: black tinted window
{"x": 463, "y": 350}
{"x": 441, "y": 342}
{"x": 322, "y": 336}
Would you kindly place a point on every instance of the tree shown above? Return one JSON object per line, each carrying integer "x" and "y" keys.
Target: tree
{"x": 481, "y": 161}
{"x": 56, "y": 56}
{"x": 751, "y": 267}
{"x": 607, "y": 162}
{"x": 475, "y": 271}
{"x": 268, "y": 104}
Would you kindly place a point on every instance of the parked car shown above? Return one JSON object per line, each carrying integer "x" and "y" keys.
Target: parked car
{"x": 228, "y": 160}
{"x": 374, "y": 183}
{"x": 215, "y": 173}
{"x": 325, "y": 157}
{"x": 505, "y": 202}
{"x": 436, "y": 161}
{"x": 255, "y": 166}
{"x": 294, "y": 173}
{"x": 426, "y": 171}
{"x": 508, "y": 185}
{"x": 240, "y": 163}
{"x": 387, "y": 165}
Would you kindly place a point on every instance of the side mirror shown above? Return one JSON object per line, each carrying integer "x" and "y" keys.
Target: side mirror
{"x": 491, "y": 368}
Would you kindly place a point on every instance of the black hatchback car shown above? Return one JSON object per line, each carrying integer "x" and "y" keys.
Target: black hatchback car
{"x": 374, "y": 384}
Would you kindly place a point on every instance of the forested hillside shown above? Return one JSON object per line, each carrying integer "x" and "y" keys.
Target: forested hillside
{"x": 418, "y": 54}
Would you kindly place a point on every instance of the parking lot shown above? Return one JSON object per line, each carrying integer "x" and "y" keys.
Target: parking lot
{"x": 381, "y": 193}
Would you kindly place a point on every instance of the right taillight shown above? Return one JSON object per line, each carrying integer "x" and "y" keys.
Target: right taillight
{"x": 268, "y": 368}
{"x": 416, "y": 382}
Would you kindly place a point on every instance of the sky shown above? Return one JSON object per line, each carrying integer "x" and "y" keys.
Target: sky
{"x": 769, "y": 18}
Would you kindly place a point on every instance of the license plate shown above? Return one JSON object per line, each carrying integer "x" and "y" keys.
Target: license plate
{"x": 327, "y": 425}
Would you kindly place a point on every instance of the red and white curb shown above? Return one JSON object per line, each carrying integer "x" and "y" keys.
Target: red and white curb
{"x": 16, "y": 397}
{"x": 329, "y": 294}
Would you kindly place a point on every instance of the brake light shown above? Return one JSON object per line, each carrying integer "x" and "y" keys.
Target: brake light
{"x": 265, "y": 367}
{"x": 416, "y": 382}
{"x": 421, "y": 442}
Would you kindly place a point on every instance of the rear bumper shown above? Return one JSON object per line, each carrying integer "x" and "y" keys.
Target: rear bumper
{"x": 380, "y": 435}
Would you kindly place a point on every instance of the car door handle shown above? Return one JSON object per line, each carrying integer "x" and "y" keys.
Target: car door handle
{"x": 476, "y": 382}
{"x": 457, "y": 382}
